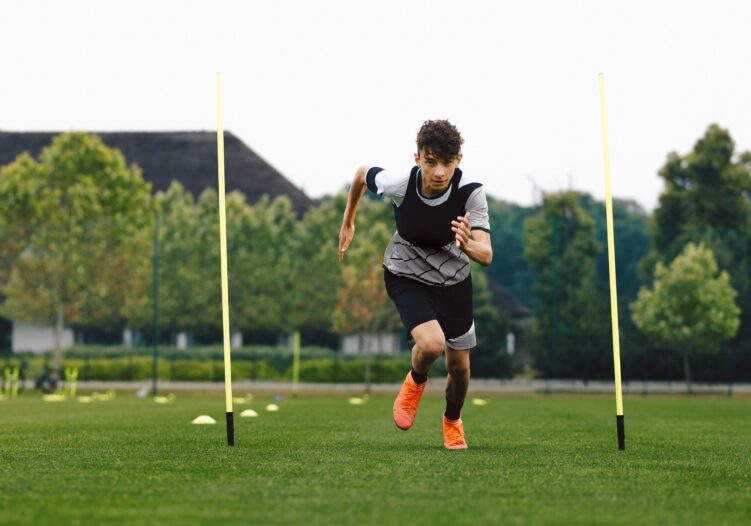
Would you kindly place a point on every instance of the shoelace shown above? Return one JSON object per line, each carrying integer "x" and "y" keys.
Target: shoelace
{"x": 410, "y": 401}
{"x": 454, "y": 434}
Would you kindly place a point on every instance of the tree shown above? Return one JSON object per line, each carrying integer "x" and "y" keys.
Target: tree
{"x": 571, "y": 329}
{"x": 705, "y": 189}
{"x": 630, "y": 230}
{"x": 364, "y": 306}
{"x": 320, "y": 280}
{"x": 258, "y": 239}
{"x": 20, "y": 182}
{"x": 81, "y": 213}
{"x": 314, "y": 274}
{"x": 260, "y": 242}
{"x": 509, "y": 267}
{"x": 181, "y": 282}
{"x": 690, "y": 307}
{"x": 707, "y": 199}
{"x": 489, "y": 358}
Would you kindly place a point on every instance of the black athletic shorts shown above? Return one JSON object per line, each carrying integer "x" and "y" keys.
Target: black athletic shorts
{"x": 417, "y": 303}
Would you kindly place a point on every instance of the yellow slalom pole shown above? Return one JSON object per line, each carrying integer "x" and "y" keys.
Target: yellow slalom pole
{"x": 611, "y": 270}
{"x": 296, "y": 364}
{"x": 14, "y": 383}
{"x": 73, "y": 381}
{"x": 223, "y": 252}
{"x": 6, "y": 386}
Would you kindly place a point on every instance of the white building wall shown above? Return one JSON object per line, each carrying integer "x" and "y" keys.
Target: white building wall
{"x": 37, "y": 338}
{"x": 127, "y": 338}
{"x": 386, "y": 344}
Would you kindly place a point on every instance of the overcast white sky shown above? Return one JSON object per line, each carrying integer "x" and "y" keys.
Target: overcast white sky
{"x": 318, "y": 88}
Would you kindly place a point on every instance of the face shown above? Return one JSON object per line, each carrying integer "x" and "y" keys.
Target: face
{"x": 436, "y": 174}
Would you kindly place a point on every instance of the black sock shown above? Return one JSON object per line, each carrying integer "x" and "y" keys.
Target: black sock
{"x": 419, "y": 378}
{"x": 453, "y": 411}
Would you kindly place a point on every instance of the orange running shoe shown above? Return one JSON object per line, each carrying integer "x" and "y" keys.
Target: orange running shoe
{"x": 453, "y": 434}
{"x": 405, "y": 405}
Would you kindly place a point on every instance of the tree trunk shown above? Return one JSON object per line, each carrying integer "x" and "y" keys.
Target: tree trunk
{"x": 57, "y": 356}
{"x": 687, "y": 372}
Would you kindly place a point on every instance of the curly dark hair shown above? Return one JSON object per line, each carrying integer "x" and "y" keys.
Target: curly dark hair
{"x": 440, "y": 138}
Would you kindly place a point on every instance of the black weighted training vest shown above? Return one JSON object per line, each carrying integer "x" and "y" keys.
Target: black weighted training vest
{"x": 430, "y": 226}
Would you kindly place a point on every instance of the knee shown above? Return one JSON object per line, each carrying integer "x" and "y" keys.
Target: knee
{"x": 457, "y": 369}
{"x": 432, "y": 346}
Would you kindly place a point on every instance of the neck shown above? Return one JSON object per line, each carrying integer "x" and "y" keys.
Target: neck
{"x": 427, "y": 191}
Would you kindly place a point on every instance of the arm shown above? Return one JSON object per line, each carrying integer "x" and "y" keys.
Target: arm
{"x": 474, "y": 243}
{"x": 347, "y": 232}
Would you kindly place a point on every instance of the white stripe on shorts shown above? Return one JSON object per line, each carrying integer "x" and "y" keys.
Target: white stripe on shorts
{"x": 465, "y": 341}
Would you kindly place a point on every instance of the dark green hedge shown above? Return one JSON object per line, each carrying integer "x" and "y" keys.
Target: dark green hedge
{"x": 208, "y": 369}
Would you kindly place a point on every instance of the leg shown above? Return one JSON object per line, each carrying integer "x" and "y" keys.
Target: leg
{"x": 457, "y": 365}
{"x": 429, "y": 344}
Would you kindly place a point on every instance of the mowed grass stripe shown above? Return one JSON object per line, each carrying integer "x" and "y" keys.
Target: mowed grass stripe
{"x": 532, "y": 459}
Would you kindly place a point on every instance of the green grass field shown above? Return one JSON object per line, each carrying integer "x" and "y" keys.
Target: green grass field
{"x": 532, "y": 460}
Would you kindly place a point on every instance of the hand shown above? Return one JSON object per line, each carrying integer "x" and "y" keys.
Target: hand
{"x": 462, "y": 230}
{"x": 346, "y": 234}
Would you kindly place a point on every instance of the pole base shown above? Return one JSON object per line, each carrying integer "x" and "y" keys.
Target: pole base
{"x": 621, "y": 432}
{"x": 230, "y": 429}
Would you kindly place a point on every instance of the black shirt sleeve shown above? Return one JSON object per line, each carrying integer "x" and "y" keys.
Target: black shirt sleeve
{"x": 370, "y": 178}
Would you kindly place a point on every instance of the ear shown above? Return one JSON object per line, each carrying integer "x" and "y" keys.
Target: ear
{"x": 459, "y": 158}
{"x": 417, "y": 158}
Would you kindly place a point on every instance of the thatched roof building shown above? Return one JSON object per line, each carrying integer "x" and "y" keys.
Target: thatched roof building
{"x": 187, "y": 157}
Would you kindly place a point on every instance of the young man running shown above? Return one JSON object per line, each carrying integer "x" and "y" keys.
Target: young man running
{"x": 442, "y": 222}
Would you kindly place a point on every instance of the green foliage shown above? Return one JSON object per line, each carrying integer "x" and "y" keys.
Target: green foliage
{"x": 690, "y": 308}
{"x": 707, "y": 187}
{"x": 631, "y": 236}
{"x": 283, "y": 273}
{"x": 348, "y": 370}
{"x": 180, "y": 281}
{"x": 259, "y": 258}
{"x": 571, "y": 329}
{"x": 364, "y": 306}
{"x": 80, "y": 215}
{"x": 209, "y": 367}
{"x": 80, "y": 227}
{"x": 509, "y": 267}
{"x": 258, "y": 252}
{"x": 315, "y": 279}
{"x": 707, "y": 199}
{"x": 489, "y": 359}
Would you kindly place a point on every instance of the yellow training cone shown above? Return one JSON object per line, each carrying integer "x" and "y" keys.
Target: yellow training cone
{"x": 103, "y": 397}
{"x": 164, "y": 399}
